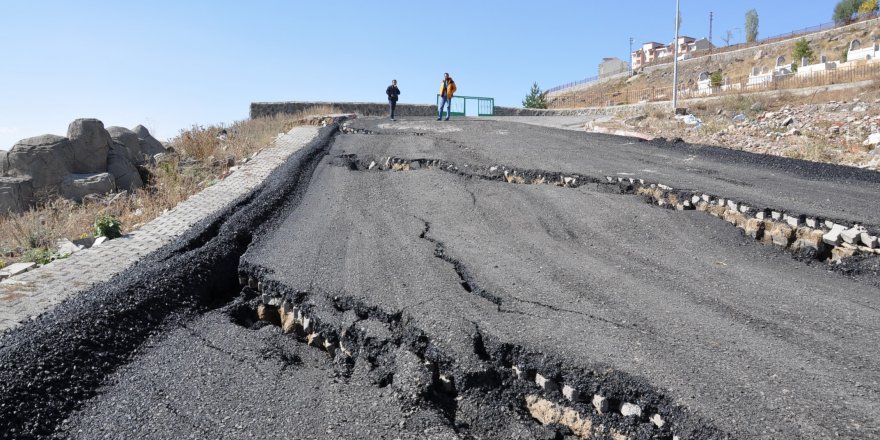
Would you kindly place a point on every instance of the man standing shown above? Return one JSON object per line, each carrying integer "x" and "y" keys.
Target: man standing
{"x": 446, "y": 91}
{"x": 392, "y": 91}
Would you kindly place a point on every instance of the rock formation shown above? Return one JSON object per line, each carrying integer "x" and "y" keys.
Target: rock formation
{"x": 90, "y": 160}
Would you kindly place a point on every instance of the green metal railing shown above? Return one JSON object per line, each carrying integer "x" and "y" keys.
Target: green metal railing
{"x": 470, "y": 106}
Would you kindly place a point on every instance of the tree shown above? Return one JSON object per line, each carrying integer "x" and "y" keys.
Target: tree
{"x": 868, "y": 7}
{"x": 845, "y": 10}
{"x": 751, "y": 26}
{"x": 535, "y": 98}
{"x": 727, "y": 37}
{"x": 716, "y": 79}
{"x": 802, "y": 49}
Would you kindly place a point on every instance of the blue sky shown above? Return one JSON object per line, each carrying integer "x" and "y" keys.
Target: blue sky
{"x": 171, "y": 64}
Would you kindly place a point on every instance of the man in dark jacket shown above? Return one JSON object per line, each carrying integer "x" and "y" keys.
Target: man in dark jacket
{"x": 392, "y": 91}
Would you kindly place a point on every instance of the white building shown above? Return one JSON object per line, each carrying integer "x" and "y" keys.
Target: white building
{"x": 612, "y": 66}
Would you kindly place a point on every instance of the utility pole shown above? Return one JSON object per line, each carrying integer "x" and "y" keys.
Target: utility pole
{"x": 675, "y": 63}
{"x": 710, "y": 26}
{"x": 630, "y": 56}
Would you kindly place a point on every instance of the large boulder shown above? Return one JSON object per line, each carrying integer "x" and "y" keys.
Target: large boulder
{"x": 77, "y": 186}
{"x": 90, "y": 143}
{"x": 16, "y": 194}
{"x": 128, "y": 139}
{"x": 149, "y": 145}
{"x": 123, "y": 170}
{"x": 46, "y": 159}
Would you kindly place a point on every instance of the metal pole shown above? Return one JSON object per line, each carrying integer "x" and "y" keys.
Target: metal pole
{"x": 710, "y": 26}
{"x": 675, "y": 64}
{"x": 630, "y": 56}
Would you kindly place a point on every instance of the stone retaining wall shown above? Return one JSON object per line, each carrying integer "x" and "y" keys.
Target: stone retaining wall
{"x": 262, "y": 109}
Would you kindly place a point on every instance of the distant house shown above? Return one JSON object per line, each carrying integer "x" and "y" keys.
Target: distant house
{"x": 647, "y": 54}
{"x": 612, "y": 66}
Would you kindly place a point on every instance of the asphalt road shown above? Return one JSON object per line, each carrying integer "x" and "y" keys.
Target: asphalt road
{"x": 430, "y": 277}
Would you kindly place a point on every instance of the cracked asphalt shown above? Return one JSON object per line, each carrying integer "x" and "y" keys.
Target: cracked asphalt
{"x": 737, "y": 336}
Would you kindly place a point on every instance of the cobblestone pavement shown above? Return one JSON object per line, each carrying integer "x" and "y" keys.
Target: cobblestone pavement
{"x": 27, "y": 295}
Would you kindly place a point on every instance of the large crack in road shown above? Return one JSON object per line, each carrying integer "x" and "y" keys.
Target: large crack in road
{"x": 49, "y": 366}
{"x": 350, "y": 298}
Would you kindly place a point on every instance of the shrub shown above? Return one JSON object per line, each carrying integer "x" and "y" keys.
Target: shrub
{"x": 845, "y": 10}
{"x": 716, "y": 79}
{"x": 108, "y": 226}
{"x": 37, "y": 255}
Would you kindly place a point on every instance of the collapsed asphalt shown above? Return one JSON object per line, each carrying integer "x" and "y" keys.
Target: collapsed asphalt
{"x": 674, "y": 311}
{"x": 49, "y": 366}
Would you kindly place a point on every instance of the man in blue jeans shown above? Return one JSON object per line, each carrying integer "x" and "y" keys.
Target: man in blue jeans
{"x": 392, "y": 91}
{"x": 447, "y": 89}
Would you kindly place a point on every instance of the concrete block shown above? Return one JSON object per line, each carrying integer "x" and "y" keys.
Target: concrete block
{"x": 829, "y": 224}
{"x": 657, "y": 420}
{"x": 851, "y": 235}
{"x": 570, "y": 393}
{"x": 760, "y": 215}
{"x": 707, "y": 198}
{"x": 630, "y": 409}
{"x": 15, "y": 269}
{"x": 600, "y": 403}
{"x": 869, "y": 240}
{"x": 545, "y": 383}
{"x": 695, "y": 199}
{"x": 732, "y": 205}
{"x": 447, "y": 383}
{"x": 776, "y": 215}
{"x": 832, "y": 237}
{"x": 793, "y": 221}
{"x": 812, "y": 222}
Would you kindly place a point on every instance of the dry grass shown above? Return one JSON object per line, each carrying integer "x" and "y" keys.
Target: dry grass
{"x": 201, "y": 160}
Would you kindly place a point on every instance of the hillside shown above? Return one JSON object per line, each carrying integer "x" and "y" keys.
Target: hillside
{"x": 653, "y": 83}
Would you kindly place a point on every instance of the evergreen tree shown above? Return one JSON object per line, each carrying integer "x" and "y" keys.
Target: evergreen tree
{"x": 535, "y": 98}
{"x": 802, "y": 49}
{"x": 751, "y": 26}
